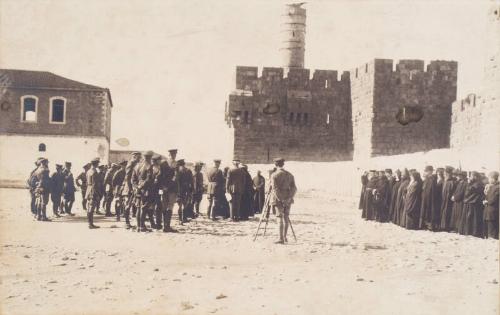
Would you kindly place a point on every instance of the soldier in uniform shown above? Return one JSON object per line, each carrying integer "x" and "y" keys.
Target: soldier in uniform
{"x": 42, "y": 190}
{"x": 56, "y": 190}
{"x": 108, "y": 188}
{"x": 142, "y": 182}
{"x": 215, "y": 189}
{"x": 92, "y": 192}
{"x": 283, "y": 190}
{"x": 235, "y": 186}
{"x": 81, "y": 182}
{"x": 31, "y": 186}
{"x": 69, "y": 188}
{"x": 185, "y": 193}
{"x": 116, "y": 186}
{"x": 100, "y": 186}
{"x": 158, "y": 191}
{"x": 169, "y": 170}
{"x": 197, "y": 188}
{"x": 127, "y": 193}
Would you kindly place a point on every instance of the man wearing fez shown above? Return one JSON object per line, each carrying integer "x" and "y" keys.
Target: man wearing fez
{"x": 259, "y": 194}
{"x": 69, "y": 188}
{"x": 56, "y": 189}
{"x": 428, "y": 195}
{"x": 169, "y": 170}
{"x": 446, "y": 202}
{"x": 197, "y": 188}
{"x": 127, "y": 191}
{"x": 81, "y": 182}
{"x": 283, "y": 190}
{"x": 235, "y": 186}
{"x": 215, "y": 189}
{"x": 92, "y": 193}
{"x": 490, "y": 202}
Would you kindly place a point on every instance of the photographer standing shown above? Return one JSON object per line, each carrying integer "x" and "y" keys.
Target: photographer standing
{"x": 283, "y": 190}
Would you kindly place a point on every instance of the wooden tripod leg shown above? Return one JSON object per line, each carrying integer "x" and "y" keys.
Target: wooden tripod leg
{"x": 291, "y": 228}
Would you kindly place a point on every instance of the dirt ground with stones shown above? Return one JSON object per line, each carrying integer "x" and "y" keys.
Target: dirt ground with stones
{"x": 340, "y": 264}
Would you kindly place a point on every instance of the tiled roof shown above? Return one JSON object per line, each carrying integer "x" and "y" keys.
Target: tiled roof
{"x": 41, "y": 79}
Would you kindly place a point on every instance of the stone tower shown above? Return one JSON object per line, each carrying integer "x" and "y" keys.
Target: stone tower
{"x": 293, "y": 36}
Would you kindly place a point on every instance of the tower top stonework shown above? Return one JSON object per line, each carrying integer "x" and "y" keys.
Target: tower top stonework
{"x": 293, "y": 32}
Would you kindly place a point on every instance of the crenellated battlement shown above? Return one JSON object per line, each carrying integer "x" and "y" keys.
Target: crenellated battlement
{"x": 247, "y": 78}
{"x": 407, "y": 69}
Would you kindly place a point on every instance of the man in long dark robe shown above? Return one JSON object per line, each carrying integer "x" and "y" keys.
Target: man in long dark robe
{"x": 438, "y": 196}
{"x": 458, "y": 203}
{"x": 259, "y": 194}
{"x": 446, "y": 202}
{"x": 491, "y": 206}
{"x": 412, "y": 201}
{"x": 405, "y": 181}
{"x": 381, "y": 201}
{"x": 394, "y": 196}
{"x": 247, "y": 198}
{"x": 428, "y": 195}
{"x": 472, "y": 219}
{"x": 369, "y": 211}
{"x": 364, "y": 181}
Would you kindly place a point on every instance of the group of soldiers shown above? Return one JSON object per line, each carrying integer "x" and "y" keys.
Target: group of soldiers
{"x": 447, "y": 199}
{"x": 148, "y": 187}
{"x": 59, "y": 186}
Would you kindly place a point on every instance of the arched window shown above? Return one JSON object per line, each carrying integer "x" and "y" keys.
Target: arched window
{"x": 29, "y": 106}
{"x": 57, "y": 110}
{"x": 42, "y": 147}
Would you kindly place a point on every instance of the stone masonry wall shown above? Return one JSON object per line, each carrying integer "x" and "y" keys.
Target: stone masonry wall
{"x": 296, "y": 117}
{"x": 88, "y": 113}
{"x": 379, "y": 92}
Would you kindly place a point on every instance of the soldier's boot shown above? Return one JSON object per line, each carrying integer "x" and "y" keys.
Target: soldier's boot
{"x": 159, "y": 219}
{"x": 91, "y": 219}
{"x": 167, "y": 218}
{"x": 180, "y": 214}
{"x": 127, "y": 220}
{"x": 142, "y": 219}
{"x": 209, "y": 210}
{"x": 118, "y": 209}
{"x": 152, "y": 222}
{"x": 54, "y": 210}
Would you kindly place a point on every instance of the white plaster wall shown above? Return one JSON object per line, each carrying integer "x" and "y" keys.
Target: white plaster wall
{"x": 18, "y": 153}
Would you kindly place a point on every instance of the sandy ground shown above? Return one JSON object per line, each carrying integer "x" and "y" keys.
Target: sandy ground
{"x": 341, "y": 264}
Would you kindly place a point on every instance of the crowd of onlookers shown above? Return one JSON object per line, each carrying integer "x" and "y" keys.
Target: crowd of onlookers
{"x": 445, "y": 199}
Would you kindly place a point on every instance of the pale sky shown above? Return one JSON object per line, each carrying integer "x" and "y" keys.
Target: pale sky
{"x": 170, "y": 64}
